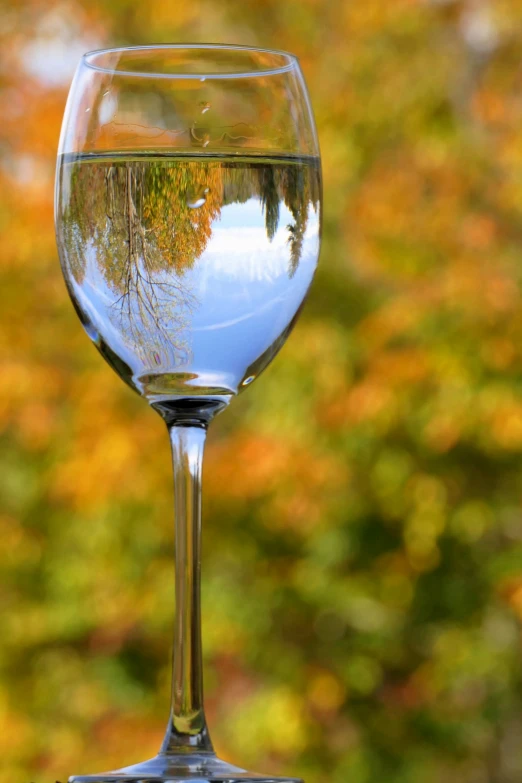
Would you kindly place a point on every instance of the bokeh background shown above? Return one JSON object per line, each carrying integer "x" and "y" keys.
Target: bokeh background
{"x": 363, "y": 536}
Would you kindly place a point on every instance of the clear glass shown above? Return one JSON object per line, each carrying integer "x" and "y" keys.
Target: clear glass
{"x": 188, "y": 217}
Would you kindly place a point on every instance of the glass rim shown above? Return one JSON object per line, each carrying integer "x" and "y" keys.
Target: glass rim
{"x": 291, "y": 61}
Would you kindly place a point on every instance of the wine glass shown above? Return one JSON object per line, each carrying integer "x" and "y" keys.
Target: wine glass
{"x": 188, "y": 198}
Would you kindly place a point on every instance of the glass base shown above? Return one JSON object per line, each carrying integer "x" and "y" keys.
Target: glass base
{"x": 181, "y": 768}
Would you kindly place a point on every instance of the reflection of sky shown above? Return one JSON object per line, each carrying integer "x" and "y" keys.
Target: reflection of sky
{"x": 240, "y": 248}
{"x": 243, "y": 294}
{"x": 247, "y": 295}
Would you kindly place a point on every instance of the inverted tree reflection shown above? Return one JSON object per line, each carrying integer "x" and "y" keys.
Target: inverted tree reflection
{"x": 145, "y": 223}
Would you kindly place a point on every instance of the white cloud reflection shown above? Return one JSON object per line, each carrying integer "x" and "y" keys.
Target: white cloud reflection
{"x": 243, "y": 253}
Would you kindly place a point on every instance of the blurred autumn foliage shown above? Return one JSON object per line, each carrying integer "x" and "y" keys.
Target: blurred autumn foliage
{"x": 363, "y": 535}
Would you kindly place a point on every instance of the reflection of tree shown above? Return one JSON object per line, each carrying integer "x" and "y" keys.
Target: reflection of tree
{"x": 145, "y": 223}
{"x": 151, "y": 302}
{"x": 181, "y": 231}
{"x": 296, "y": 184}
{"x": 270, "y": 197}
{"x": 136, "y": 217}
{"x": 297, "y": 194}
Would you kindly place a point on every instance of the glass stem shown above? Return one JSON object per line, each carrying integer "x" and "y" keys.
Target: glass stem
{"x": 187, "y": 730}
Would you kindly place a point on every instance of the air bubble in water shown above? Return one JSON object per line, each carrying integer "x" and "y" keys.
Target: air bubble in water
{"x": 248, "y": 380}
{"x": 197, "y": 198}
{"x": 195, "y": 203}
